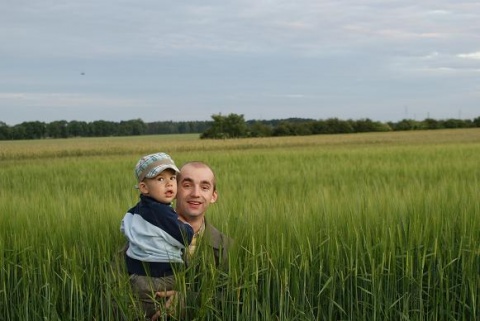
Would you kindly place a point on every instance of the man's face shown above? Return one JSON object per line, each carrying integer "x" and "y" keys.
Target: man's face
{"x": 195, "y": 191}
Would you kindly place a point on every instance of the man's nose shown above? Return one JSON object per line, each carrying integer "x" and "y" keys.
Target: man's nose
{"x": 195, "y": 191}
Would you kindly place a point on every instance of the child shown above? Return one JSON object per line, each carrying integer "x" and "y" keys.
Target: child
{"x": 155, "y": 234}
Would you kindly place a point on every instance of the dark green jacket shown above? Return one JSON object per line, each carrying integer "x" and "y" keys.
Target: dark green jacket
{"x": 218, "y": 242}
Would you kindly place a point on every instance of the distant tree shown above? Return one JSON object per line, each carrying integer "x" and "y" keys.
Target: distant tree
{"x": 382, "y": 127}
{"x": 332, "y": 126}
{"x": 455, "y": 123}
{"x": 259, "y": 129}
{"x": 338, "y": 126}
{"x": 189, "y": 127}
{"x": 217, "y": 130}
{"x": 430, "y": 123}
{"x": 301, "y": 129}
{"x": 407, "y": 124}
{"x": 124, "y": 129}
{"x": 235, "y": 126}
{"x": 19, "y": 132}
{"x": 138, "y": 127}
{"x": 476, "y": 122}
{"x": 199, "y": 126}
{"x": 102, "y": 128}
{"x": 231, "y": 126}
{"x": 320, "y": 127}
{"x": 78, "y": 129}
{"x": 132, "y": 127}
{"x": 286, "y": 128}
{"x": 367, "y": 125}
{"x": 282, "y": 129}
{"x": 5, "y": 132}
{"x": 57, "y": 129}
{"x": 163, "y": 127}
{"x": 183, "y": 128}
{"x": 29, "y": 130}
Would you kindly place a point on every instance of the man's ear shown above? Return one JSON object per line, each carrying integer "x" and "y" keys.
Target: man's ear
{"x": 214, "y": 197}
{"x": 142, "y": 187}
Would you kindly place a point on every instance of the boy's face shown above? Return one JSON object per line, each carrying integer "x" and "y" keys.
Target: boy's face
{"x": 162, "y": 188}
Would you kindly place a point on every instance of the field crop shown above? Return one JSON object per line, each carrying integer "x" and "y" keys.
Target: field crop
{"x": 379, "y": 226}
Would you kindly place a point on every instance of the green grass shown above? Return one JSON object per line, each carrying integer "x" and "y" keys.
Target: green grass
{"x": 343, "y": 227}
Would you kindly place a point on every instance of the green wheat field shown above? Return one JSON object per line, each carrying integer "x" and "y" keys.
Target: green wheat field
{"x": 375, "y": 226}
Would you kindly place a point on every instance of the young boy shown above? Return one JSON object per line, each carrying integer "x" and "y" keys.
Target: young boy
{"x": 155, "y": 234}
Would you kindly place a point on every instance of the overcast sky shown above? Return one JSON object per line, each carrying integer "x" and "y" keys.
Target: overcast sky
{"x": 157, "y": 60}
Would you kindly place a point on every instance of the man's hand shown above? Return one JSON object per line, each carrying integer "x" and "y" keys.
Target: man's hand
{"x": 170, "y": 304}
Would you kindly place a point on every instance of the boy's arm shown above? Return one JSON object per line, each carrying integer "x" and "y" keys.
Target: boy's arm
{"x": 164, "y": 217}
{"x": 170, "y": 222}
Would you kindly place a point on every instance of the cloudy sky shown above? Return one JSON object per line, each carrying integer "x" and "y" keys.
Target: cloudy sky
{"x": 266, "y": 59}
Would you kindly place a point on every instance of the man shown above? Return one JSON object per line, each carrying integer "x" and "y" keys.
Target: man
{"x": 196, "y": 192}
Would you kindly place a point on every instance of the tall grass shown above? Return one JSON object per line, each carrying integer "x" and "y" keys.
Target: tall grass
{"x": 346, "y": 227}
{"x": 387, "y": 234}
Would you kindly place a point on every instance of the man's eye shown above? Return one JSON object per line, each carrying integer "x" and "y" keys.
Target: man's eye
{"x": 205, "y": 187}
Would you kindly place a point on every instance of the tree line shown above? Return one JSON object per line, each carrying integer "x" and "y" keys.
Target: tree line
{"x": 99, "y": 128}
{"x": 235, "y": 126}
{"x": 220, "y": 127}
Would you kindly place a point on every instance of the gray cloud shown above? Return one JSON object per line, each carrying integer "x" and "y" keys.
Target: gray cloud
{"x": 305, "y": 58}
